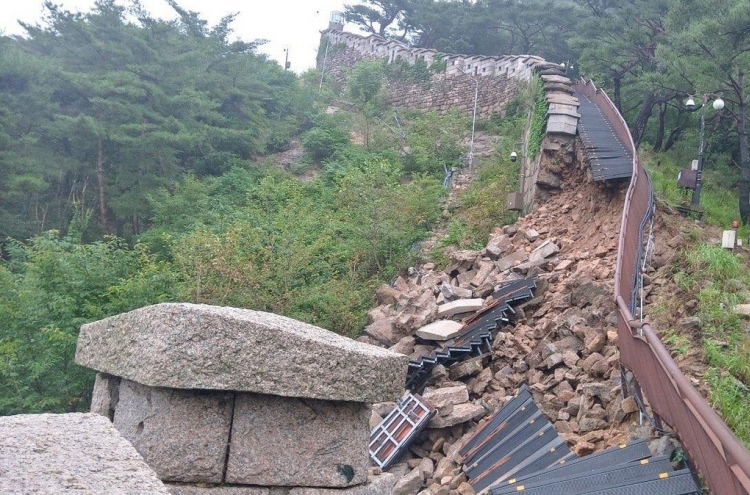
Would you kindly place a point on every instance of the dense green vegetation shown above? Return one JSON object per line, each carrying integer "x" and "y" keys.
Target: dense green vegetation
{"x": 132, "y": 152}
{"x": 649, "y": 55}
{"x": 136, "y": 166}
{"x": 717, "y": 280}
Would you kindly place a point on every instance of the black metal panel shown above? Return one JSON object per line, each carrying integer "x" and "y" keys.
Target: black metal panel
{"x": 502, "y": 468}
{"x": 606, "y": 477}
{"x": 528, "y": 424}
{"x": 548, "y": 459}
{"x": 671, "y": 483}
{"x": 515, "y": 289}
{"x": 591, "y": 463}
{"x": 488, "y": 428}
{"x": 555, "y": 448}
{"x": 608, "y": 155}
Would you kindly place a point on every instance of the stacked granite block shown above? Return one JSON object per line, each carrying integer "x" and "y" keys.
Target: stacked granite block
{"x": 220, "y": 399}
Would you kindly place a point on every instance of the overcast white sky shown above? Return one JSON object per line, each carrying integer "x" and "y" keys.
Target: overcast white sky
{"x": 293, "y": 24}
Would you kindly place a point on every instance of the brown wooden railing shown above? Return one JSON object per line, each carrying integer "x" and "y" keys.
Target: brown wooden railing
{"x": 720, "y": 457}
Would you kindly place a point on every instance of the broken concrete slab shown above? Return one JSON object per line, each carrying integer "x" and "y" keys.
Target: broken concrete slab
{"x": 281, "y": 441}
{"x": 531, "y": 235}
{"x": 70, "y": 453}
{"x": 182, "y": 434}
{"x": 544, "y": 250}
{"x": 440, "y": 330}
{"x": 197, "y": 346}
{"x": 461, "y": 306}
{"x": 507, "y": 262}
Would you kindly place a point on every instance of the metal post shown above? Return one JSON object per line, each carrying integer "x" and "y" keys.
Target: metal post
{"x": 473, "y": 117}
{"x": 323, "y": 67}
{"x": 286, "y": 58}
{"x": 695, "y": 203}
{"x": 473, "y": 122}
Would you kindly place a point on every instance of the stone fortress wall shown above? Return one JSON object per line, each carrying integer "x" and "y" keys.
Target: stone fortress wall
{"x": 493, "y": 81}
{"x": 494, "y": 77}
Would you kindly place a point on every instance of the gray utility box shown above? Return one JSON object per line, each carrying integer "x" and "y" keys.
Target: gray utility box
{"x": 515, "y": 201}
{"x": 687, "y": 178}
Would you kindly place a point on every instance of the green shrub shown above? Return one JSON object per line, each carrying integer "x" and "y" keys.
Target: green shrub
{"x": 327, "y": 135}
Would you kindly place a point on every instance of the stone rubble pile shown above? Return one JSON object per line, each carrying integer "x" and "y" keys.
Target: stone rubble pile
{"x": 562, "y": 343}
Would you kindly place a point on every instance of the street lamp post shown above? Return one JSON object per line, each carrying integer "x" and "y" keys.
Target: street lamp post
{"x": 473, "y": 118}
{"x": 718, "y": 104}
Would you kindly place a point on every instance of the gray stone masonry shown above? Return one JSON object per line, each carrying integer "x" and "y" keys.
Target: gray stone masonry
{"x": 298, "y": 442}
{"x": 194, "y": 346}
{"x": 182, "y": 434}
{"x": 381, "y": 484}
{"x": 74, "y": 453}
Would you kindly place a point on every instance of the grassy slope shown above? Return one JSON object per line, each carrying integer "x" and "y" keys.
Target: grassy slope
{"x": 717, "y": 279}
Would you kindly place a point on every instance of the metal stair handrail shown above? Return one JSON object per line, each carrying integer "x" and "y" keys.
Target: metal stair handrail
{"x": 717, "y": 453}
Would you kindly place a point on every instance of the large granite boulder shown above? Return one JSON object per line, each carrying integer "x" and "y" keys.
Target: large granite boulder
{"x": 70, "y": 453}
{"x": 196, "y": 346}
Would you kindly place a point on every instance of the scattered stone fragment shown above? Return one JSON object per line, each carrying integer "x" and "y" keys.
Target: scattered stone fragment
{"x": 440, "y": 330}
{"x": 545, "y": 250}
{"x": 442, "y": 396}
{"x": 461, "y": 413}
{"x": 461, "y": 306}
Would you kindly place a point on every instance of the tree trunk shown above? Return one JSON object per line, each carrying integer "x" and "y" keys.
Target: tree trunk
{"x": 674, "y": 135}
{"x": 660, "y": 131}
{"x": 616, "y": 93}
{"x": 744, "y": 155}
{"x": 640, "y": 123}
{"x": 100, "y": 181}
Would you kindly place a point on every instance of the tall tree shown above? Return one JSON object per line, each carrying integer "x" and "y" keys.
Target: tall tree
{"x": 618, "y": 43}
{"x": 708, "y": 50}
{"x": 379, "y": 16}
{"x": 134, "y": 102}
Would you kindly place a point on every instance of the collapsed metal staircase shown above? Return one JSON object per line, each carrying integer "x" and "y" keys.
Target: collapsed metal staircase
{"x": 476, "y": 333}
{"x": 518, "y": 451}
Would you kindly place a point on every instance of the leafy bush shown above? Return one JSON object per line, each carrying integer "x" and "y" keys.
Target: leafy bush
{"x": 538, "y": 118}
{"x": 327, "y": 135}
{"x": 48, "y": 289}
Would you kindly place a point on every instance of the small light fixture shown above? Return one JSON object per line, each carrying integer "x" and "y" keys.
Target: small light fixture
{"x": 718, "y": 104}
{"x": 513, "y": 156}
{"x": 690, "y": 104}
